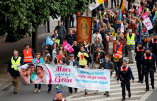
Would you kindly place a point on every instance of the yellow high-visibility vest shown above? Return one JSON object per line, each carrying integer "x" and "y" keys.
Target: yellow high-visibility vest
{"x": 101, "y": 15}
{"x": 58, "y": 41}
{"x": 15, "y": 64}
{"x": 130, "y": 41}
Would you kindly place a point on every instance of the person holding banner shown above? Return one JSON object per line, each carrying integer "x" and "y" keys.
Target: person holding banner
{"x": 75, "y": 63}
{"x": 107, "y": 64}
{"x": 38, "y": 60}
{"x": 12, "y": 69}
{"x": 82, "y": 57}
{"x": 60, "y": 60}
{"x": 59, "y": 96}
{"x": 125, "y": 75}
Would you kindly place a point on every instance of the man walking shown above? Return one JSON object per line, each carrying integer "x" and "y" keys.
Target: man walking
{"x": 28, "y": 54}
{"x": 13, "y": 64}
{"x": 130, "y": 38}
{"x": 148, "y": 61}
{"x": 74, "y": 63}
{"x": 124, "y": 74}
{"x": 61, "y": 31}
{"x": 139, "y": 52}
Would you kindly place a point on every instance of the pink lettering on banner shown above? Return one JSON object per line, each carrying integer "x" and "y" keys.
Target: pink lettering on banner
{"x": 88, "y": 77}
{"x": 148, "y": 24}
{"x": 60, "y": 69}
{"x": 102, "y": 77}
{"x": 58, "y": 79}
{"x": 145, "y": 15}
{"x": 67, "y": 47}
{"x": 94, "y": 77}
{"x": 81, "y": 76}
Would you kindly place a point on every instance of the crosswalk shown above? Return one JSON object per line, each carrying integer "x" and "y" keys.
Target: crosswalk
{"x": 138, "y": 92}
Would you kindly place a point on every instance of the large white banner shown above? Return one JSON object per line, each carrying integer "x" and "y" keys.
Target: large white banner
{"x": 148, "y": 23}
{"x": 91, "y": 79}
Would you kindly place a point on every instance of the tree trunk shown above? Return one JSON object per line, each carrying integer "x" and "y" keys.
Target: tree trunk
{"x": 34, "y": 40}
{"x": 67, "y": 24}
{"x": 48, "y": 26}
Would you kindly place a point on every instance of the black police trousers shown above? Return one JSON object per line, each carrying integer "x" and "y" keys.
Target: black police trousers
{"x": 146, "y": 72}
{"x": 140, "y": 70}
{"x": 70, "y": 89}
{"x": 127, "y": 85}
{"x": 117, "y": 65}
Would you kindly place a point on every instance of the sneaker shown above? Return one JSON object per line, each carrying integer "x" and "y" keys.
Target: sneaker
{"x": 38, "y": 90}
{"x": 35, "y": 90}
{"x": 15, "y": 92}
{"x": 57, "y": 87}
{"x": 107, "y": 94}
{"x": 62, "y": 85}
{"x": 85, "y": 94}
{"x": 76, "y": 91}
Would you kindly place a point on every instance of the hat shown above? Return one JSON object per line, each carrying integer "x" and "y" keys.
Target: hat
{"x": 139, "y": 42}
{"x": 96, "y": 30}
{"x": 130, "y": 30}
{"x": 71, "y": 55}
{"x": 124, "y": 61}
{"x": 147, "y": 48}
{"x": 109, "y": 30}
{"x": 59, "y": 91}
{"x": 48, "y": 54}
{"x": 155, "y": 34}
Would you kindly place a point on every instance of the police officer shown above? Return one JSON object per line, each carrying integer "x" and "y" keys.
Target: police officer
{"x": 139, "y": 52}
{"x": 125, "y": 74}
{"x": 59, "y": 96}
{"x": 148, "y": 61}
{"x": 153, "y": 46}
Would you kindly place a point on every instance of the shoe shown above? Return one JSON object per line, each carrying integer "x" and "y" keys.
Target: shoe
{"x": 85, "y": 94}
{"x": 49, "y": 91}
{"x": 57, "y": 87}
{"x": 153, "y": 87}
{"x": 115, "y": 76}
{"x": 141, "y": 81}
{"x": 107, "y": 95}
{"x": 129, "y": 62}
{"x": 35, "y": 90}
{"x": 147, "y": 90}
{"x": 132, "y": 62}
{"x": 138, "y": 81}
{"x": 104, "y": 93}
{"x": 122, "y": 99}
{"x": 69, "y": 94}
{"x": 38, "y": 90}
{"x": 62, "y": 85}
{"x": 76, "y": 91}
{"x": 129, "y": 95}
{"x": 15, "y": 92}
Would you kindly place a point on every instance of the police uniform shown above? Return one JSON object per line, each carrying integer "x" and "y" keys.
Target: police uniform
{"x": 153, "y": 46}
{"x": 148, "y": 61}
{"x": 125, "y": 74}
{"x": 57, "y": 92}
{"x": 139, "y": 52}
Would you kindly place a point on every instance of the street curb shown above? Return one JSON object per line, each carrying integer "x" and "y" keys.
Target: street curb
{"x": 6, "y": 86}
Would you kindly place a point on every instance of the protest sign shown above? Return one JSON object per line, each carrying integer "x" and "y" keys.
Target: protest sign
{"x": 145, "y": 15}
{"x": 122, "y": 27}
{"x": 67, "y": 47}
{"x": 148, "y": 24}
{"x": 91, "y": 79}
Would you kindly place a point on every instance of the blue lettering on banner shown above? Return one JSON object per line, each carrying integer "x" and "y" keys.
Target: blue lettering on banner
{"x": 66, "y": 74}
{"x": 99, "y": 73}
{"x": 87, "y": 81}
{"x": 78, "y": 80}
{"x": 59, "y": 74}
{"x": 95, "y": 81}
{"x": 102, "y": 82}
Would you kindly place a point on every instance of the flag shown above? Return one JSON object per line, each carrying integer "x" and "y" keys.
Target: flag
{"x": 154, "y": 17}
{"x": 122, "y": 27}
{"x": 49, "y": 41}
{"x": 122, "y": 6}
{"x": 95, "y": 5}
{"x": 120, "y": 14}
{"x": 139, "y": 10}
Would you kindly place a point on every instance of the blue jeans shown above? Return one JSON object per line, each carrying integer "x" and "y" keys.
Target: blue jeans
{"x": 39, "y": 86}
